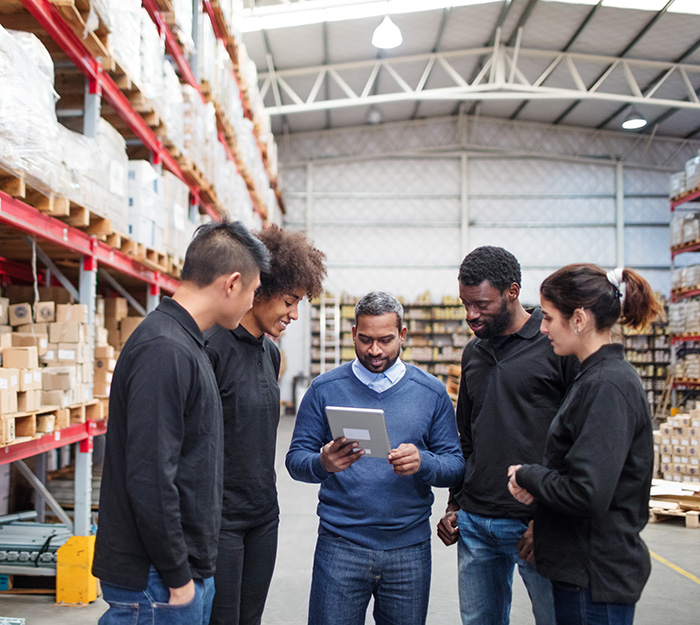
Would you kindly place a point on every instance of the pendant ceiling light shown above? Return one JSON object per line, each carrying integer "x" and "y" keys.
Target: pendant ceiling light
{"x": 634, "y": 120}
{"x": 387, "y": 35}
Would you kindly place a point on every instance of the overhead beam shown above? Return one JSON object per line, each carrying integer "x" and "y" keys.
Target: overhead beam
{"x": 504, "y": 76}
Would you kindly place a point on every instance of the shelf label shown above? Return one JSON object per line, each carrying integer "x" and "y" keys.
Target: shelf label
{"x": 57, "y": 436}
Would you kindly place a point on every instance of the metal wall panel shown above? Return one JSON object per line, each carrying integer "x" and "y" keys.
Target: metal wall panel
{"x": 370, "y": 210}
{"x": 543, "y": 210}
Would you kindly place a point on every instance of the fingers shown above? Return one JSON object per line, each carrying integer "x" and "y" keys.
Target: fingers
{"x": 339, "y": 454}
{"x": 405, "y": 459}
{"x": 447, "y": 529}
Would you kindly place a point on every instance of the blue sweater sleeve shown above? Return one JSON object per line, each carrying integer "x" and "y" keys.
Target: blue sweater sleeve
{"x": 311, "y": 433}
{"x": 442, "y": 463}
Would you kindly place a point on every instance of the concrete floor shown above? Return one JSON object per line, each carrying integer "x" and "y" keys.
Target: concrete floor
{"x": 669, "y": 597}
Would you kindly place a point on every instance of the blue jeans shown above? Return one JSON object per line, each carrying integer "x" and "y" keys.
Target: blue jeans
{"x": 574, "y": 606}
{"x": 488, "y": 553}
{"x": 150, "y": 606}
{"x": 346, "y": 576}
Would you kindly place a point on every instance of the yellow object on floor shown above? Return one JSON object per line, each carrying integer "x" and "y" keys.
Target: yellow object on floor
{"x": 75, "y": 582}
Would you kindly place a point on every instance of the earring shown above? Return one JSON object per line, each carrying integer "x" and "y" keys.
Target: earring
{"x": 577, "y": 331}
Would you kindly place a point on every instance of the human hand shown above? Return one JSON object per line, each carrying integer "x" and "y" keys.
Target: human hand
{"x": 182, "y": 595}
{"x": 405, "y": 459}
{"x": 517, "y": 491}
{"x": 447, "y": 529}
{"x": 339, "y": 454}
{"x": 526, "y": 548}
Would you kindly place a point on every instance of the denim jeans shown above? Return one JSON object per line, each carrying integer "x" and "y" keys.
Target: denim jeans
{"x": 574, "y": 606}
{"x": 150, "y": 606}
{"x": 346, "y": 576}
{"x": 488, "y": 553}
{"x": 244, "y": 569}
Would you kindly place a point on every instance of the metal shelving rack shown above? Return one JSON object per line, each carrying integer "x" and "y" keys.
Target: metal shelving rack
{"x": 678, "y": 384}
{"x": 84, "y": 250}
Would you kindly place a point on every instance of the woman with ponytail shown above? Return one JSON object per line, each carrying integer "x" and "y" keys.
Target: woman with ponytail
{"x": 592, "y": 490}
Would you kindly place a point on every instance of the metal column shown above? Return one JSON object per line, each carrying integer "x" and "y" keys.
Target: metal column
{"x": 464, "y": 206}
{"x": 619, "y": 216}
{"x": 83, "y": 452}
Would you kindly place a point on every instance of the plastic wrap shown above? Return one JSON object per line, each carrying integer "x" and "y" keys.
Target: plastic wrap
{"x": 28, "y": 124}
{"x": 125, "y": 36}
{"x": 170, "y": 106}
{"x": 179, "y": 227}
{"x": 182, "y": 9}
{"x": 152, "y": 55}
{"x": 114, "y": 164}
{"x": 146, "y": 210}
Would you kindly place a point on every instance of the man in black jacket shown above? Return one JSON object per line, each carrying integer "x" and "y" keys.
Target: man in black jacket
{"x": 511, "y": 387}
{"x": 160, "y": 501}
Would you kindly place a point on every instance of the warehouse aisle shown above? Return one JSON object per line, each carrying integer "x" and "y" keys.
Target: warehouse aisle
{"x": 669, "y": 596}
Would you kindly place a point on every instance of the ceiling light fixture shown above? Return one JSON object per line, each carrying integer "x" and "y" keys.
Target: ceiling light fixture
{"x": 387, "y": 35}
{"x": 634, "y": 120}
{"x": 374, "y": 116}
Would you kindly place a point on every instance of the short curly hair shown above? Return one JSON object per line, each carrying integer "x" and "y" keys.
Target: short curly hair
{"x": 494, "y": 264}
{"x": 295, "y": 264}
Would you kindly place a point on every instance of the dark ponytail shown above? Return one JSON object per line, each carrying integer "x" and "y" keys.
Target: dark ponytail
{"x": 587, "y": 286}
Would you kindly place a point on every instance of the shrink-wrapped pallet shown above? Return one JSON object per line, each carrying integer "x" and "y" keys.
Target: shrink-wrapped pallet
{"x": 125, "y": 36}
{"x": 179, "y": 223}
{"x": 152, "y": 55}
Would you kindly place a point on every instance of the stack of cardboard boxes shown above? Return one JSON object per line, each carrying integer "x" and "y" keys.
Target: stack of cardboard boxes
{"x": 678, "y": 443}
{"x": 44, "y": 351}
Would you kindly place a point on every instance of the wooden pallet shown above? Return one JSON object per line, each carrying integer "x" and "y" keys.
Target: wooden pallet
{"x": 691, "y": 517}
{"x": 75, "y": 14}
{"x": 20, "y": 187}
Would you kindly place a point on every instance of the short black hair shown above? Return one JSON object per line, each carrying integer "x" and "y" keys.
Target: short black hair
{"x": 294, "y": 264}
{"x": 494, "y": 264}
{"x": 223, "y": 247}
{"x": 378, "y": 303}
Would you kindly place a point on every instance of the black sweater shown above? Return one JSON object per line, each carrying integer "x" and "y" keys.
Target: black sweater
{"x": 593, "y": 491}
{"x": 511, "y": 389}
{"x": 246, "y": 370}
{"x": 160, "y": 499}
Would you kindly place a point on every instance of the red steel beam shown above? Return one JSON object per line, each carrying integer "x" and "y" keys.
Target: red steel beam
{"x": 27, "y": 219}
{"x": 54, "y": 440}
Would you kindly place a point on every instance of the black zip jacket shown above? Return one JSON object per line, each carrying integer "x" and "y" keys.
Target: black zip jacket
{"x": 593, "y": 491}
{"x": 160, "y": 499}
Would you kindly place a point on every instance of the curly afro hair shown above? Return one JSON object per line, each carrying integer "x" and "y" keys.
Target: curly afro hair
{"x": 295, "y": 264}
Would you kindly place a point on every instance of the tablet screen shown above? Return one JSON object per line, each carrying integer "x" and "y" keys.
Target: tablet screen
{"x": 364, "y": 425}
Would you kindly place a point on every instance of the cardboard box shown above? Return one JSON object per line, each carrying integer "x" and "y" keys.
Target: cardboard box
{"x": 72, "y": 353}
{"x": 62, "y": 399}
{"x": 102, "y": 376}
{"x": 7, "y": 430}
{"x": 72, "y": 312}
{"x": 44, "y": 312}
{"x": 9, "y": 379}
{"x": 28, "y": 380}
{"x": 101, "y": 389}
{"x": 4, "y": 311}
{"x": 62, "y": 419}
{"x": 34, "y": 328}
{"x": 105, "y": 364}
{"x": 46, "y": 423}
{"x": 21, "y": 357}
{"x": 101, "y": 336}
{"x": 28, "y": 401}
{"x": 66, "y": 332}
{"x": 20, "y": 314}
{"x": 127, "y": 326}
{"x": 51, "y": 355}
{"x": 116, "y": 308}
{"x": 5, "y": 341}
{"x": 26, "y": 339}
{"x": 104, "y": 351}
{"x": 8, "y": 402}
{"x": 58, "y": 378}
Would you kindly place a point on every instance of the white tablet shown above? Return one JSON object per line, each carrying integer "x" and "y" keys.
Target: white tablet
{"x": 364, "y": 425}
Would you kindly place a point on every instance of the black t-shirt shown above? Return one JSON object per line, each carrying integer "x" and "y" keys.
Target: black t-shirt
{"x": 246, "y": 370}
{"x": 508, "y": 396}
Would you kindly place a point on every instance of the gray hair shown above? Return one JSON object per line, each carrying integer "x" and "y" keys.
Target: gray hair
{"x": 379, "y": 303}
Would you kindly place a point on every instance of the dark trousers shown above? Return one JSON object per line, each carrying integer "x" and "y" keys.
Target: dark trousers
{"x": 574, "y": 606}
{"x": 243, "y": 573}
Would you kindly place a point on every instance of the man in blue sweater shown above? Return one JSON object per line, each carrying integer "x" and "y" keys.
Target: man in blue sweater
{"x": 374, "y": 532}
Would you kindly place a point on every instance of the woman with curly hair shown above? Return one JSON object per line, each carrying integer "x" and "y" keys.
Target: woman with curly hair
{"x": 247, "y": 365}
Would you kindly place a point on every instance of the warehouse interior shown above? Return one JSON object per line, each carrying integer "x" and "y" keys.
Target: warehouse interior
{"x": 124, "y": 125}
